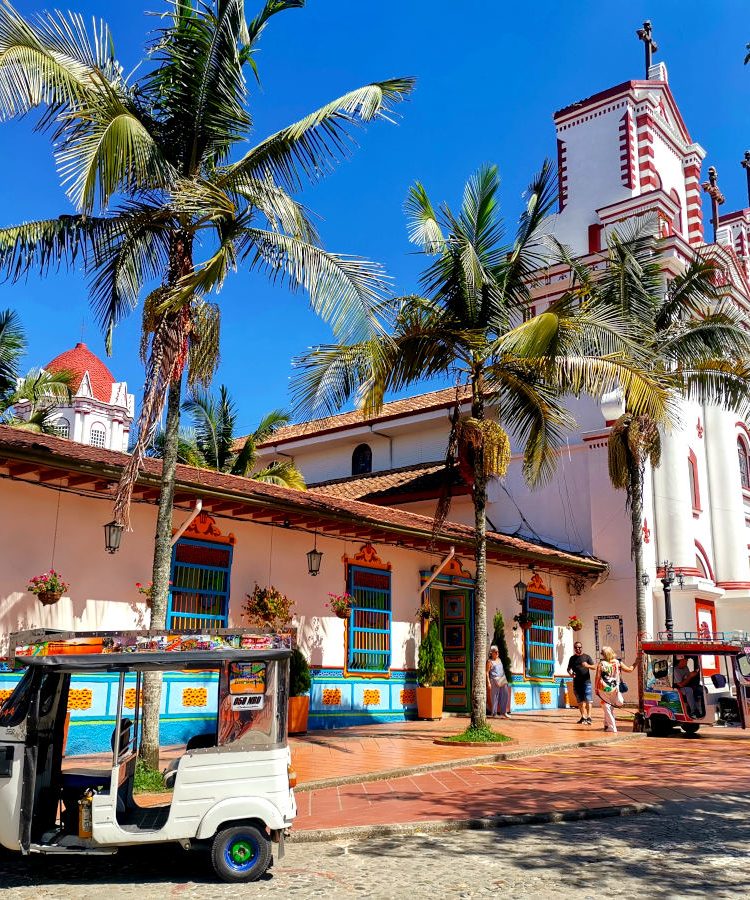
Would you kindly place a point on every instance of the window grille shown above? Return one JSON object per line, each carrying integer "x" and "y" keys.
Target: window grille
{"x": 98, "y": 437}
{"x": 61, "y": 428}
{"x": 369, "y": 623}
{"x": 540, "y": 648}
{"x": 199, "y": 593}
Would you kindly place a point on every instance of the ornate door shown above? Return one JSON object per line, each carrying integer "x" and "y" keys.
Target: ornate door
{"x": 455, "y": 624}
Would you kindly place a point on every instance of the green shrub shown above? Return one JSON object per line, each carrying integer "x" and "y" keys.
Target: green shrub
{"x": 498, "y": 639}
{"x": 146, "y": 779}
{"x": 299, "y": 674}
{"x": 430, "y": 667}
{"x": 482, "y": 734}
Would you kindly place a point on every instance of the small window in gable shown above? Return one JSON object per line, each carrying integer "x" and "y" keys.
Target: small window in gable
{"x": 362, "y": 460}
{"x": 744, "y": 461}
{"x": 98, "y": 436}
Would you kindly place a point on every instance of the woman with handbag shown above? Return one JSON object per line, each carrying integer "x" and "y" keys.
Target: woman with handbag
{"x": 607, "y": 684}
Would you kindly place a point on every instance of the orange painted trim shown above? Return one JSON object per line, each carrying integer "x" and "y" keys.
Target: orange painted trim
{"x": 367, "y": 557}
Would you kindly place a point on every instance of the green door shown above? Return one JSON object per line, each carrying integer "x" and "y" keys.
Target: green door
{"x": 455, "y": 618}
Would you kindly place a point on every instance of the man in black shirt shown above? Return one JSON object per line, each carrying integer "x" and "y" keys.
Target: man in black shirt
{"x": 579, "y": 666}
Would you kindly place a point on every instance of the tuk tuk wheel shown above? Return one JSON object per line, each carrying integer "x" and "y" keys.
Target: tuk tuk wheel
{"x": 690, "y": 727}
{"x": 240, "y": 853}
{"x": 660, "y": 726}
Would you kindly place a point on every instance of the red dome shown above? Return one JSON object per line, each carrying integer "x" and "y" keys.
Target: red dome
{"x": 80, "y": 360}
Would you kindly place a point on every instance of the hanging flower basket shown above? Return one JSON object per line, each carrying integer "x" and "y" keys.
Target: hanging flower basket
{"x": 267, "y": 607}
{"x": 524, "y": 621}
{"x": 48, "y": 587}
{"x": 575, "y": 623}
{"x": 341, "y": 605}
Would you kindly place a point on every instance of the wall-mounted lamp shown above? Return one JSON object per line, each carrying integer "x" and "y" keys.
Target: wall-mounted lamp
{"x": 520, "y": 588}
{"x": 645, "y": 579}
{"x": 112, "y": 536}
{"x": 314, "y": 557}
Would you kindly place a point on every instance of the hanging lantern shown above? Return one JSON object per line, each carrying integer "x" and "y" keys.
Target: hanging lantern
{"x": 520, "y": 590}
{"x": 112, "y": 536}
{"x": 314, "y": 557}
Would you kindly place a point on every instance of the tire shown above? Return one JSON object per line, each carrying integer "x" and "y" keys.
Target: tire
{"x": 660, "y": 726}
{"x": 690, "y": 727}
{"x": 241, "y": 853}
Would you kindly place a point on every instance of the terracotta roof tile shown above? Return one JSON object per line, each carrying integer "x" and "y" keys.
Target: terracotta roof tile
{"x": 392, "y": 410}
{"x": 48, "y": 451}
{"x": 376, "y": 482}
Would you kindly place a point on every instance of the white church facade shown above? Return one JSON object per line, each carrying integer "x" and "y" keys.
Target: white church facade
{"x": 622, "y": 153}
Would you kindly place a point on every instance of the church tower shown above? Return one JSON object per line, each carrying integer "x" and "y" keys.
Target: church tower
{"x": 100, "y": 411}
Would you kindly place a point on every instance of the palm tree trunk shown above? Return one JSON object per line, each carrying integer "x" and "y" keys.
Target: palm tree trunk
{"x": 479, "y": 497}
{"x": 479, "y": 679}
{"x": 635, "y": 474}
{"x": 161, "y": 571}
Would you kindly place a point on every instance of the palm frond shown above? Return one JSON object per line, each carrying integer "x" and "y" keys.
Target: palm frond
{"x": 422, "y": 222}
{"x": 312, "y": 146}
{"x": 283, "y": 474}
{"x": 12, "y": 348}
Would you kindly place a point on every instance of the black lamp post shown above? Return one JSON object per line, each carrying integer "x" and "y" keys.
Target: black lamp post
{"x": 667, "y": 581}
{"x": 112, "y": 536}
{"x": 314, "y": 558}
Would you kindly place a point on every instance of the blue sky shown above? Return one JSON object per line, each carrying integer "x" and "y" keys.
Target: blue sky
{"x": 489, "y": 76}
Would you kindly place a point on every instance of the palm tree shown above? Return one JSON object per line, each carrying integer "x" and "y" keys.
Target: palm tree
{"x": 42, "y": 390}
{"x": 690, "y": 335}
{"x": 159, "y": 169}
{"x": 468, "y": 325}
{"x": 212, "y": 441}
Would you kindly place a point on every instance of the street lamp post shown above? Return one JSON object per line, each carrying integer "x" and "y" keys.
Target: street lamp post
{"x": 667, "y": 581}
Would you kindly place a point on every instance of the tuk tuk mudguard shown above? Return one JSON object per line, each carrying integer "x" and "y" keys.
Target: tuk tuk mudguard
{"x": 240, "y": 809}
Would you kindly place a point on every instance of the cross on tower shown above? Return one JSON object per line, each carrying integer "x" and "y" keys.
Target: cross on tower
{"x": 746, "y": 166}
{"x": 649, "y": 44}
{"x": 711, "y": 187}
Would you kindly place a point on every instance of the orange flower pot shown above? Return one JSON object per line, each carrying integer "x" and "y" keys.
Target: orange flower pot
{"x": 430, "y": 702}
{"x": 299, "y": 708}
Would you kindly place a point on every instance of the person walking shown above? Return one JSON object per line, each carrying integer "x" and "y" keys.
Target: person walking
{"x": 580, "y": 666}
{"x": 607, "y": 685}
{"x": 497, "y": 684}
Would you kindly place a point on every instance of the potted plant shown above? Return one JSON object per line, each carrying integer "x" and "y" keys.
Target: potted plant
{"x": 268, "y": 608}
{"x": 575, "y": 623}
{"x": 430, "y": 675}
{"x": 299, "y": 689}
{"x": 341, "y": 604}
{"x": 524, "y": 621}
{"x": 147, "y": 590}
{"x": 48, "y": 587}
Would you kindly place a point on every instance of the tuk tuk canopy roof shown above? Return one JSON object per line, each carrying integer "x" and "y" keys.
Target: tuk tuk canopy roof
{"x": 152, "y": 661}
{"x": 694, "y": 648}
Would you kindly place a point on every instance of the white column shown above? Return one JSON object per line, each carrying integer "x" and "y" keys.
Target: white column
{"x": 673, "y": 506}
{"x": 727, "y": 505}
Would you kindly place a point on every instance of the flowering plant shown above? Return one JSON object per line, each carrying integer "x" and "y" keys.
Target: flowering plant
{"x": 524, "y": 620}
{"x": 268, "y": 607}
{"x": 48, "y": 583}
{"x": 145, "y": 589}
{"x": 575, "y": 623}
{"x": 341, "y": 603}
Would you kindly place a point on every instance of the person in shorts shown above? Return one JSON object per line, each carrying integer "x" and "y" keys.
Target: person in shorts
{"x": 580, "y": 666}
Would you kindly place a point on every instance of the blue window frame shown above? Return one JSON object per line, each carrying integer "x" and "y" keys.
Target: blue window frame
{"x": 540, "y": 648}
{"x": 369, "y": 623}
{"x": 199, "y": 594}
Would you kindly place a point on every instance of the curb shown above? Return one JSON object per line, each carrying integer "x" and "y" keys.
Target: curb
{"x": 360, "y": 832}
{"x": 467, "y": 761}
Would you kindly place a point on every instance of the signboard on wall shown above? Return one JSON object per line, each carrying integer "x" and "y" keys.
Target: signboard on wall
{"x": 608, "y": 632}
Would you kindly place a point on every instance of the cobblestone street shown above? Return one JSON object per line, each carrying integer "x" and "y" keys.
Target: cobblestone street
{"x": 692, "y": 848}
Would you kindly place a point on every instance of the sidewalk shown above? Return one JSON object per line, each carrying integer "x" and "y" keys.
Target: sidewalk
{"x": 368, "y": 752}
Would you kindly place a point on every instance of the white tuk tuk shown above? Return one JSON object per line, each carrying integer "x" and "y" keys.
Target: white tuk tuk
{"x": 232, "y": 790}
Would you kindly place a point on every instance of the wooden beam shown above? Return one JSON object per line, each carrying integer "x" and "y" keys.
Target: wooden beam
{"x": 17, "y": 469}
{"x": 80, "y": 480}
{"x": 217, "y": 507}
{"x": 48, "y": 475}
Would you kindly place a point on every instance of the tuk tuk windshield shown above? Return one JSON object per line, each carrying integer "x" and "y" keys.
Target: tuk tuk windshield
{"x": 16, "y": 707}
{"x": 251, "y": 712}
